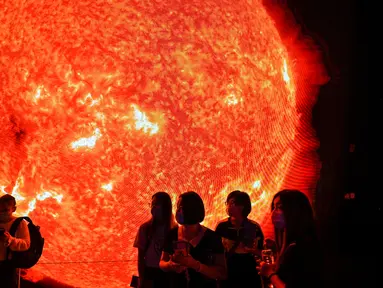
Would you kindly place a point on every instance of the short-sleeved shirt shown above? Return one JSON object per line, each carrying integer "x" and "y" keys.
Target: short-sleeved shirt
{"x": 301, "y": 265}
{"x": 209, "y": 245}
{"x": 151, "y": 242}
{"x": 241, "y": 265}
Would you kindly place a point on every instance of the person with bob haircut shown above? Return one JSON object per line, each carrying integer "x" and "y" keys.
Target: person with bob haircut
{"x": 193, "y": 253}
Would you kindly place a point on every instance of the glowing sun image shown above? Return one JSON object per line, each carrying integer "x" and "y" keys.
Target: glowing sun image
{"x": 103, "y": 103}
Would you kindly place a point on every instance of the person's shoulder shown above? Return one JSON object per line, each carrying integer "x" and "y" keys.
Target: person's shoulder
{"x": 213, "y": 235}
{"x": 254, "y": 224}
{"x": 18, "y": 221}
{"x": 223, "y": 224}
{"x": 213, "y": 241}
{"x": 173, "y": 232}
{"x": 145, "y": 226}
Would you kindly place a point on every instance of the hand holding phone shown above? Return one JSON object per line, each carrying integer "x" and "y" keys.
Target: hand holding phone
{"x": 268, "y": 256}
{"x": 181, "y": 248}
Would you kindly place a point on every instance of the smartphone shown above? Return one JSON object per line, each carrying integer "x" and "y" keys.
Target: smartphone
{"x": 181, "y": 247}
{"x": 2, "y": 231}
{"x": 268, "y": 256}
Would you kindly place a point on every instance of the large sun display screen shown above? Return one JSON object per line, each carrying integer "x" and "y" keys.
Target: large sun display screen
{"x": 105, "y": 102}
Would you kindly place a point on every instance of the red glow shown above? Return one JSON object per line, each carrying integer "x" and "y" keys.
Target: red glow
{"x": 105, "y": 102}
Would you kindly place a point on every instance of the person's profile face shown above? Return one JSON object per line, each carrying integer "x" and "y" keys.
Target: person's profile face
{"x": 277, "y": 204}
{"x": 155, "y": 202}
{"x": 179, "y": 206}
{"x": 233, "y": 209}
{"x": 156, "y": 208}
{"x": 277, "y": 212}
{"x": 6, "y": 209}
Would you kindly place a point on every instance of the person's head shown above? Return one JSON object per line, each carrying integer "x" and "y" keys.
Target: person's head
{"x": 238, "y": 204}
{"x": 161, "y": 207}
{"x": 291, "y": 210}
{"x": 7, "y": 207}
{"x": 190, "y": 209}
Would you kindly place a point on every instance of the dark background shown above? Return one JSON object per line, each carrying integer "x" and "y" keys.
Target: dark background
{"x": 340, "y": 119}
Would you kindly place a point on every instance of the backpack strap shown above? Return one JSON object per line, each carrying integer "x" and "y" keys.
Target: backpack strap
{"x": 15, "y": 225}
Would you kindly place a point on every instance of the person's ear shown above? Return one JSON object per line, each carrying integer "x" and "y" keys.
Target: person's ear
{"x": 13, "y": 209}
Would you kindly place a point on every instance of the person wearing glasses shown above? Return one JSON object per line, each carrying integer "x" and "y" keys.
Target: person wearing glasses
{"x": 21, "y": 241}
{"x": 242, "y": 238}
{"x": 150, "y": 241}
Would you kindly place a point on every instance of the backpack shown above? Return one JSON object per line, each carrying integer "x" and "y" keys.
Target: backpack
{"x": 27, "y": 259}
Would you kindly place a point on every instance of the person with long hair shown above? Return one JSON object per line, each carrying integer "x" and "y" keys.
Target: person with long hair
{"x": 150, "y": 240}
{"x": 193, "y": 252}
{"x": 298, "y": 258}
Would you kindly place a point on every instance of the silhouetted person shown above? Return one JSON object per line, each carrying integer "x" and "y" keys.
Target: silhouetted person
{"x": 242, "y": 238}
{"x": 150, "y": 241}
{"x": 298, "y": 260}
{"x": 193, "y": 252}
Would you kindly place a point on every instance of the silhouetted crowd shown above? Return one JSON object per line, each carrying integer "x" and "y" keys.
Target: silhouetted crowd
{"x": 182, "y": 253}
{"x": 178, "y": 252}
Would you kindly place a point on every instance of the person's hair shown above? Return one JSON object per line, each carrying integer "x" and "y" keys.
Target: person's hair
{"x": 298, "y": 214}
{"x": 241, "y": 199}
{"x": 192, "y": 207}
{"x": 165, "y": 202}
{"x": 8, "y": 200}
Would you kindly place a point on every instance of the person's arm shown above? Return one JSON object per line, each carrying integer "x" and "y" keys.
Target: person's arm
{"x": 216, "y": 271}
{"x": 269, "y": 271}
{"x": 218, "y": 229}
{"x": 141, "y": 263}
{"x": 22, "y": 240}
{"x": 140, "y": 243}
{"x": 166, "y": 262}
{"x": 276, "y": 281}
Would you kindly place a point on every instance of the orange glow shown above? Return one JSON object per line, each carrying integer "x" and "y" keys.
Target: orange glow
{"x": 104, "y": 103}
